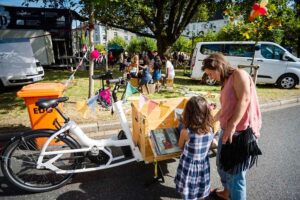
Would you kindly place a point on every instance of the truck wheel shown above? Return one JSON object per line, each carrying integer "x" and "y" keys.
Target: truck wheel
{"x": 287, "y": 81}
{"x": 208, "y": 81}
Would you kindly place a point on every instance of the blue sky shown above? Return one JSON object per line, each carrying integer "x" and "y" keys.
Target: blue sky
{"x": 15, "y": 3}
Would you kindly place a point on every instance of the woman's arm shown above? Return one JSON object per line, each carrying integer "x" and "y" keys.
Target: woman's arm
{"x": 241, "y": 86}
{"x": 183, "y": 138}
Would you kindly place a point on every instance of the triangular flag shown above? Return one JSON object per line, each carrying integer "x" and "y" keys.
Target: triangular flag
{"x": 151, "y": 106}
{"x": 163, "y": 110}
{"x": 142, "y": 100}
{"x": 91, "y": 102}
{"x": 82, "y": 107}
{"x": 130, "y": 90}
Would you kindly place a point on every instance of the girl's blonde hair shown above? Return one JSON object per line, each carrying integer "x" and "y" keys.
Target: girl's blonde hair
{"x": 197, "y": 116}
{"x": 135, "y": 59}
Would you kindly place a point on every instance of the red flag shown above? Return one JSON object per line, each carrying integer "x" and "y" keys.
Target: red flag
{"x": 151, "y": 106}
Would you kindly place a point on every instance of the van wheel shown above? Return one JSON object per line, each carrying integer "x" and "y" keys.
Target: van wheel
{"x": 288, "y": 81}
{"x": 208, "y": 81}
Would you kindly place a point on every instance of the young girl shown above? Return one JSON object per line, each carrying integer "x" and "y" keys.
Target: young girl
{"x": 193, "y": 173}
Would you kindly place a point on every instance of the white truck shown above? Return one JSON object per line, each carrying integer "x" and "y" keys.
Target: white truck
{"x": 18, "y": 65}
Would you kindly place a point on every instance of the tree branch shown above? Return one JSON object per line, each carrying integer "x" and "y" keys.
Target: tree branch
{"x": 188, "y": 14}
{"x": 173, "y": 9}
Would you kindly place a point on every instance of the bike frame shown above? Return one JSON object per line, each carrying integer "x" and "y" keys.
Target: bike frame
{"x": 88, "y": 144}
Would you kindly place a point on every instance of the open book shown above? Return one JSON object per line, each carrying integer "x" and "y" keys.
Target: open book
{"x": 165, "y": 140}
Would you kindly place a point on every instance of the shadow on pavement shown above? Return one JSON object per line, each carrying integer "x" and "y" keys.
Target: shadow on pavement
{"x": 122, "y": 183}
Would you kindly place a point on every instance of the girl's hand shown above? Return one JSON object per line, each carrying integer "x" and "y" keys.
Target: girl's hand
{"x": 212, "y": 106}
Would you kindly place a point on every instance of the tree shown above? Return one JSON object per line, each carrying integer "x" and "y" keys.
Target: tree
{"x": 148, "y": 44}
{"x": 119, "y": 41}
{"x": 140, "y": 44}
{"x": 162, "y": 20}
{"x": 134, "y": 46}
{"x": 182, "y": 44}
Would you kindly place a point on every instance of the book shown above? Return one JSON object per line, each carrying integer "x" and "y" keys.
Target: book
{"x": 165, "y": 140}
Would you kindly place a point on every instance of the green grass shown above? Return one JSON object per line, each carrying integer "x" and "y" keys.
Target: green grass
{"x": 13, "y": 110}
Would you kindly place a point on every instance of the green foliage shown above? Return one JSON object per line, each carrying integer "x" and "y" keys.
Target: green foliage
{"x": 182, "y": 44}
{"x": 118, "y": 41}
{"x": 209, "y": 36}
{"x": 148, "y": 44}
{"x": 100, "y": 47}
{"x": 233, "y": 32}
{"x": 140, "y": 44}
{"x": 291, "y": 33}
{"x": 202, "y": 14}
{"x": 134, "y": 46}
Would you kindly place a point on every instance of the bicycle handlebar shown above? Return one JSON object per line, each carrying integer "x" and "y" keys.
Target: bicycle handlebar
{"x": 116, "y": 81}
{"x": 105, "y": 76}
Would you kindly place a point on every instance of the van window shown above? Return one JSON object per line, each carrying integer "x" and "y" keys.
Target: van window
{"x": 208, "y": 49}
{"x": 270, "y": 51}
{"x": 240, "y": 50}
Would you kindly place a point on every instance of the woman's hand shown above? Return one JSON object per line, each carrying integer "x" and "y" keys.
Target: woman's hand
{"x": 228, "y": 133}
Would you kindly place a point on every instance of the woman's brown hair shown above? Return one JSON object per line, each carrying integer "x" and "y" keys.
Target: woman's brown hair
{"x": 217, "y": 61}
{"x": 197, "y": 116}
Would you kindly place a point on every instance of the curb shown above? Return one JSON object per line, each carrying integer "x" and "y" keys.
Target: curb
{"x": 280, "y": 103}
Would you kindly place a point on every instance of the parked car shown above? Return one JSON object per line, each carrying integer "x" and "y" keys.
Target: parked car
{"x": 17, "y": 63}
{"x": 276, "y": 64}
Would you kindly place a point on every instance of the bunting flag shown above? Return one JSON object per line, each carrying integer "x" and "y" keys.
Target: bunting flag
{"x": 130, "y": 90}
{"x": 151, "y": 106}
{"x": 82, "y": 107}
{"x": 163, "y": 110}
{"x": 142, "y": 100}
{"x": 91, "y": 102}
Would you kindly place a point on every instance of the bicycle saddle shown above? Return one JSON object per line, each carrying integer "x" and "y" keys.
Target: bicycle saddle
{"x": 50, "y": 103}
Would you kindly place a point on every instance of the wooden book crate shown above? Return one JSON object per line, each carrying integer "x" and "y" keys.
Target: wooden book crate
{"x": 143, "y": 121}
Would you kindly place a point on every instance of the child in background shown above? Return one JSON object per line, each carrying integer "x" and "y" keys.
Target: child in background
{"x": 169, "y": 68}
{"x": 133, "y": 67}
{"x": 193, "y": 173}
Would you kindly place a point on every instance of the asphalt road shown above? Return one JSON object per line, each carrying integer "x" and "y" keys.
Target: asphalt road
{"x": 277, "y": 175}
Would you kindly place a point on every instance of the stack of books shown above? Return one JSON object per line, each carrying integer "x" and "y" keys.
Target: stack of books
{"x": 165, "y": 140}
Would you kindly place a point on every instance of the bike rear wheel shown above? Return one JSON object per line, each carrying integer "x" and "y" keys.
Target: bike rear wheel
{"x": 19, "y": 162}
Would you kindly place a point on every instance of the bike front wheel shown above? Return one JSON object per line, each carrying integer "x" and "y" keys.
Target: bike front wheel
{"x": 19, "y": 162}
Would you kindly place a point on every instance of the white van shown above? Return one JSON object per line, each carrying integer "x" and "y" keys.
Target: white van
{"x": 17, "y": 63}
{"x": 276, "y": 64}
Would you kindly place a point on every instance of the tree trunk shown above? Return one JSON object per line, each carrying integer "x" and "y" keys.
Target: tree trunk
{"x": 163, "y": 46}
{"x": 91, "y": 38}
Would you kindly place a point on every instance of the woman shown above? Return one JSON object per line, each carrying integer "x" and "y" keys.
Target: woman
{"x": 239, "y": 107}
